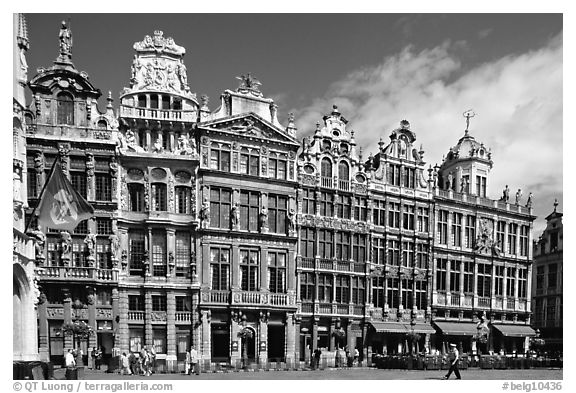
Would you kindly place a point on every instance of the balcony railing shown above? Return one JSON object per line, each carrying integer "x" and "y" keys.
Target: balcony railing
{"x": 325, "y": 264}
{"x": 307, "y": 263}
{"x": 455, "y": 299}
{"x": 78, "y": 273}
{"x": 307, "y": 308}
{"x": 483, "y": 302}
{"x": 342, "y": 309}
{"x": 359, "y": 267}
{"x": 325, "y": 308}
{"x": 326, "y": 182}
{"x": 510, "y": 304}
{"x": 183, "y": 316}
{"x": 278, "y": 299}
{"x": 159, "y": 114}
{"x": 136, "y": 315}
{"x": 343, "y": 266}
{"x": 220, "y": 297}
{"x": 344, "y": 185}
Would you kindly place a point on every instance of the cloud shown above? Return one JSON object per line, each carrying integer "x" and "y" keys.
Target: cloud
{"x": 517, "y": 98}
{"x": 485, "y": 33}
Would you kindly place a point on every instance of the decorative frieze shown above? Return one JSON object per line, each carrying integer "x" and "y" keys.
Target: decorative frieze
{"x": 332, "y": 223}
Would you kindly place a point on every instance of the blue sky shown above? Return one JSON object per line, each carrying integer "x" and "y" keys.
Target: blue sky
{"x": 378, "y": 68}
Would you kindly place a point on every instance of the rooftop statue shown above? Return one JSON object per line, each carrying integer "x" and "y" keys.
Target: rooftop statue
{"x": 65, "y": 37}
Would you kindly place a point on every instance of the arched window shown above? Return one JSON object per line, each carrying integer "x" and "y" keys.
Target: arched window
{"x": 343, "y": 171}
{"x": 142, "y": 101}
{"x": 326, "y": 168}
{"x": 65, "y": 104}
{"x": 102, "y": 125}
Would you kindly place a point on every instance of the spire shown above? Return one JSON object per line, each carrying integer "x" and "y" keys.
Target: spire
{"x": 291, "y": 127}
{"x": 22, "y": 37}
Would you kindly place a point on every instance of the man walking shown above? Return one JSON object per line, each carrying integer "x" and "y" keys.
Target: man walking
{"x": 194, "y": 361}
{"x": 70, "y": 365}
{"x": 454, "y": 357}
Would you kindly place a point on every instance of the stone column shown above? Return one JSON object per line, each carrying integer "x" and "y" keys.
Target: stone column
{"x": 332, "y": 338}
{"x": 67, "y": 302}
{"x": 116, "y": 317}
{"x": 205, "y": 350}
{"x": 263, "y": 329}
{"x": 234, "y": 263}
{"x": 43, "y": 349}
{"x": 171, "y": 252}
{"x": 235, "y": 321}
{"x": 314, "y": 344}
{"x": 170, "y": 330}
{"x": 92, "y": 340}
{"x": 291, "y": 339}
{"x": 264, "y": 270}
{"x": 148, "y": 333}
{"x": 122, "y": 343}
{"x": 195, "y": 320}
{"x": 90, "y": 178}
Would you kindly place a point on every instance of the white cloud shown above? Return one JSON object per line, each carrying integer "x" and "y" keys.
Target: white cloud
{"x": 518, "y": 99}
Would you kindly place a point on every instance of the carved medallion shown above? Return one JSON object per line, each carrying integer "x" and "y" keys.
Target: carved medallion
{"x": 182, "y": 177}
{"x": 158, "y": 174}
{"x": 135, "y": 174}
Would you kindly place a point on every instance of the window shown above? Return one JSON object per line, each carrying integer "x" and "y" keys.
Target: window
{"x": 408, "y": 254}
{"x": 481, "y": 186}
{"x": 393, "y": 293}
{"x": 220, "y": 268}
{"x": 512, "y": 235}
{"x": 393, "y": 252}
{"x": 522, "y": 281}
{"x": 136, "y": 197}
{"x": 220, "y": 157}
{"x": 103, "y": 187}
{"x": 33, "y": 183}
{"x": 406, "y": 294}
{"x": 408, "y": 217}
{"x": 551, "y": 309}
{"x": 136, "y": 240}
{"x": 394, "y": 174}
{"x": 78, "y": 254}
{"x": 249, "y": 161}
{"x": 249, "y": 267}
{"x": 53, "y": 253}
{"x": 103, "y": 257}
{"x": 136, "y": 339}
{"x": 358, "y": 247}
{"x": 308, "y": 201}
{"x": 81, "y": 228}
{"x": 182, "y": 199}
{"x": 484, "y": 280}
{"x": 394, "y": 215}
{"x": 343, "y": 246}
{"x": 325, "y": 240}
{"x": 468, "y": 277}
{"x": 182, "y": 258}
{"x": 154, "y": 101}
{"x": 379, "y": 213}
{"x": 325, "y": 288}
{"x": 307, "y": 286}
{"x": 307, "y": 242}
{"x": 342, "y": 289}
{"x": 326, "y": 169}
{"x": 423, "y": 219}
{"x": 249, "y": 210}
{"x": 142, "y": 101}
{"x": 443, "y": 227}
{"x": 159, "y": 253}
{"x": 165, "y": 102}
{"x": 360, "y": 209}
{"x": 142, "y": 139}
{"x": 358, "y": 290}
{"x": 277, "y": 166}
{"x": 159, "y": 197}
{"x": 421, "y": 294}
{"x": 136, "y": 303}
{"x": 500, "y": 233}
{"x": 457, "y": 229}
{"x": 409, "y": 176}
{"x": 326, "y": 204}
{"x": 553, "y": 241}
{"x": 540, "y": 277}
{"x": 220, "y": 204}
{"x": 277, "y": 272}
{"x": 470, "y": 231}
{"x": 510, "y": 280}
{"x": 78, "y": 180}
{"x": 103, "y": 226}
{"x": 183, "y": 304}
{"x": 65, "y": 108}
{"x": 343, "y": 206}
{"x": 524, "y": 231}
{"x": 499, "y": 280}
{"x": 454, "y": 276}
{"x": 159, "y": 339}
{"x": 422, "y": 255}
{"x": 378, "y": 251}
{"x": 378, "y": 292}
{"x": 441, "y": 265}
{"x": 158, "y": 303}
{"x": 277, "y": 213}
{"x": 552, "y": 275}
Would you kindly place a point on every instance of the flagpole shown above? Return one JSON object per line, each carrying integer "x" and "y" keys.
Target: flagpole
{"x": 57, "y": 160}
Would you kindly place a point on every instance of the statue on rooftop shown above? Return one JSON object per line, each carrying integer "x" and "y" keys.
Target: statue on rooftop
{"x": 518, "y": 196}
{"x": 65, "y": 37}
{"x": 506, "y": 194}
{"x": 530, "y": 200}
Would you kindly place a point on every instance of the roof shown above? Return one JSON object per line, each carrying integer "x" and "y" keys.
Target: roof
{"x": 515, "y": 330}
{"x": 422, "y": 328}
{"x": 389, "y": 327}
{"x": 457, "y": 328}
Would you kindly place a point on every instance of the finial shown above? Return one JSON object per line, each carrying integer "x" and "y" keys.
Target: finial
{"x": 317, "y": 127}
{"x": 109, "y": 99}
{"x": 335, "y": 110}
{"x": 405, "y": 124}
{"x": 468, "y": 114}
{"x": 555, "y": 204}
{"x": 360, "y": 154}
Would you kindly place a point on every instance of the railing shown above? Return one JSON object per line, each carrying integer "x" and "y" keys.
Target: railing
{"x": 78, "y": 273}
{"x": 358, "y": 310}
{"x": 486, "y": 202}
{"x": 325, "y": 264}
{"x": 510, "y": 304}
{"x": 455, "y": 299}
{"x": 72, "y": 130}
{"x": 135, "y": 315}
{"x": 278, "y": 299}
{"x": 443, "y": 193}
{"x": 219, "y": 296}
{"x": 307, "y": 263}
{"x": 359, "y": 267}
{"x": 501, "y": 204}
{"x": 107, "y": 274}
{"x": 344, "y": 185}
{"x": 249, "y": 297}
{"x": 183, "y": 316}
{"x": 343, "y": 266}
{"x": 342, "y": 309}
{"x": 325, "y": 308}
{"x": 326, "y": 182}
{"x": 457, "y": 196}
{"x": 161, "y": 114}
{"x": 307, "y": 307}
{"x": 483, "y": 302}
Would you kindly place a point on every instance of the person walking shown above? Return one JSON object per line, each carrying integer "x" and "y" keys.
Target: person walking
{"x": 454, "y": 357}
{"x": 70, "y": 364}
{"x": 194, "y": 361}
{"x": 125, "y": 365}
{"x": 152, "y": 355}
{"x": 317, "y": 355}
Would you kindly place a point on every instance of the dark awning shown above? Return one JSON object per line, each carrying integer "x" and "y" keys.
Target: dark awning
{"x": 457, "y": 329}
{"x": 422, "y": 328}
{"x": 389, "y": 327}
{"x": 515, "y": 330}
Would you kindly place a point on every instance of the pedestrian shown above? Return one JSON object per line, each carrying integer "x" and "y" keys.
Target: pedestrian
{"x": 93, "y": 356}
{"x": 143, "y": 360}
{"x": 70, "y": 364}
{"x": 152, "y": 355}
{"x": 356, "y": 356}
{"x": 133, "y": 361}
{"x": 194, "y": 360}
{"x": 349, "y": 358}
{"x": 317, "y": 355}
{"x": 188, "y": 363}
{"x": 99, "y": 356}
{"x": 454, "y": 357}
{"x": 125, "y": 365}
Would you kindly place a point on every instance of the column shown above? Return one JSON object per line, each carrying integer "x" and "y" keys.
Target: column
{"x": 195, "y": 320}
{"x": 67, "y": 302}
{"x": 264, "y": 269}
{"x": 148, "y": 142}
{"x": 461, "y": 286}
{"x": 291, "y": 338}
{"x": 475, "y": 289}
{"x": 116, "y": 316}
{"x": 92, "y": 340}
{"x": 170, "y": 330}
{"x": 263, "y": 330}
{"x": 331, "y": 344}
{"x": 529, "y": 291}
{"x": 43, "y": 350}
{"x": 291, "y": 284}
{"x": 205, "y": 349}
{"x": 171, "y": 252}
{"x": 234, "y": 263}
{"x": 314, "y": 344}
{"x": 148, "y": 333}
{"x": 122, "y": 341}
{"x": 205, "y": 279}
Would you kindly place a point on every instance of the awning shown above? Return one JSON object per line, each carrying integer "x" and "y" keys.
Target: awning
{"x": 515, "y": 330}
{"x": 421, "y": 328}
{"x": 389, "y": 327}
{"x": 457, "y": 329}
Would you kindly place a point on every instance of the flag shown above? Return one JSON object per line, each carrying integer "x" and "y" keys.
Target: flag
{"x": 61, "y": 206}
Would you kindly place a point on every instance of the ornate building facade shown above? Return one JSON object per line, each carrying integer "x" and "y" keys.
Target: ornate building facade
{"x": 218, "y": 229}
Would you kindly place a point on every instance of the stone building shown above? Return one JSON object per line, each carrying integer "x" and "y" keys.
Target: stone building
{"x": 547, "y": 283}
{"x": 482, "y": 260}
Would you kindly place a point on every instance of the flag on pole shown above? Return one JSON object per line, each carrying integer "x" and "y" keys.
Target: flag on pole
{"x": 61, "y": 206}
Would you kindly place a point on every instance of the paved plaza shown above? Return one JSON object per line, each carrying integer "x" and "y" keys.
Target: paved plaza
{"x": 342, "y": 374}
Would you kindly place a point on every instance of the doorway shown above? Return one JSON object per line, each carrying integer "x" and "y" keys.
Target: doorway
{"x": 220, "y": 338}
{"x": 276, "y": 343}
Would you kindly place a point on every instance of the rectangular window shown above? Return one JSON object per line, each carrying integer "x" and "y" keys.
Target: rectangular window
{"x": 343, "y": 246}
{"x": 408, "y": 217}
{"x": 378, "y": 251}
{"x": 159, "y": 303}
{"x": 512, "y": 236}
{"x": 500, "y": 234}
{"x": 468, "y": 277}
{"x": 103, "y": 187}
{"x": 277, "y": 167}
{"x": 325, "y": 243}
{"x": 359, "y": 247}
{"x": 408, "y": 254}
{"x": 393, "y": 292}
{"x": 540, "y": 277}
{"x": 103, "y": 257}
{"x": 441, "y": 267}
{"x": 307, "y": 286}
{"x": 457, "y": 229}
{"x": 249, "y": 267}
{"x": 308, "y": 201}
{"x": 136, "y": 303}
{"x": 78, "y": 180}
{"x": 249, "y": 210}
{"x": 159, "y": 339}
{"x": 326, "y": 204}
{"x": 182, "y": 259}
{"x": 522, "y": 282}
{"x": 182, "y": 199}
{"x": 378, "y": 292}
{"x": 358, "y": 290}
{"x": 481, "y": 186}
{"x": 249, "y": 161}
{"x": 393, "y": 253}
{"x": 220, "y": 157}
{"x": 421, "y": 294}
{"x": 136, "y": 243}
{"x": 277, "y": 213}
{"x": 394, "y": 174}
{"x": 394, "y": 215}
{"x": 409, "y": 176}
{"x": 159, "y": 253}
{"x": 484, "y": 287}
{"x": 103, "y": 226}
{"x": 81, "y": 228}
{"x": 422, "y": 255}
{"x": 470, "y": 231}
{"x": 220, "y": 205}
{"x": 552, "y": 275}
{"x": 443, "y": 226}
{"x": 342, "y": 289}
{"x": 277, "y": 271}
{"x": 307, "y": 242}
{"x": 423, "y": 219}
{"x": 499, "y": 280}
{"x": 343, "y": 206}
{"x": 406, "y": 294}
{"x": 360, "y": 209}
{"x": 524, "y": 232}
{"x": 32, "y": 181}
{"x": 78, "y": 254}
{"x": 551, "y": 309}
{"x": 379, "y": 212}
{"x": 510, "y": 281}
{"x": 220, "y": 268}
{"x": 136, "y": 339}
{"x": 183, "y": 304}
{"x": 159, "y": 202}
{"x": 53, "y": 253}
{"x": 136, "y": 199}
{"x": 325, "y": 285}
{"x": 454, "y": 276}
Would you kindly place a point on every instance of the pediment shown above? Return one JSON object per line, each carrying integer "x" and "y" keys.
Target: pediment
{"x": 249, "y": 125}
{"x": 55, "y": 78}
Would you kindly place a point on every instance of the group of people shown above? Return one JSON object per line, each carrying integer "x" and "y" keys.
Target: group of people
{"x": 192, "y": 363}
{"x": 143, "y": 364}
{"x": 97, "y": 358}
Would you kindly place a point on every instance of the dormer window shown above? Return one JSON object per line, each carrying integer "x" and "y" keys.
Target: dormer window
{"x": 177, "y": 104}
{"x": 102, "y": 125}
{"x": 343, "y": 148}
{"x": 65, "y": 104}
{"x": 326, "y": 144}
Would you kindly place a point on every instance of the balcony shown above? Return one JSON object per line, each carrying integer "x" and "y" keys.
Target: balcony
{"x": 343, "y": 185}
{"x": 157, "y": 114}
{"x": 137, "y": 316}
{"x": 307, "y": 263}
{"x": 77, "y": 273}
{"x": 483, "y": 301}
{"x": 325, "y": 182}
{"x": 308, "y": 308}
{"x": 333, "y": 309}
{"x": 455, "y": 299}
{"x": 326, "y": 264}
{"x": 183, "y": 317}
{"x": 325, "y": 308}
{"x": 248, "y": 298}
{"x": 72, "y": 131}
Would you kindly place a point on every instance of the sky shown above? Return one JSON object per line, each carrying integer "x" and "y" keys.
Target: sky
{"x": 378, "y": 69}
